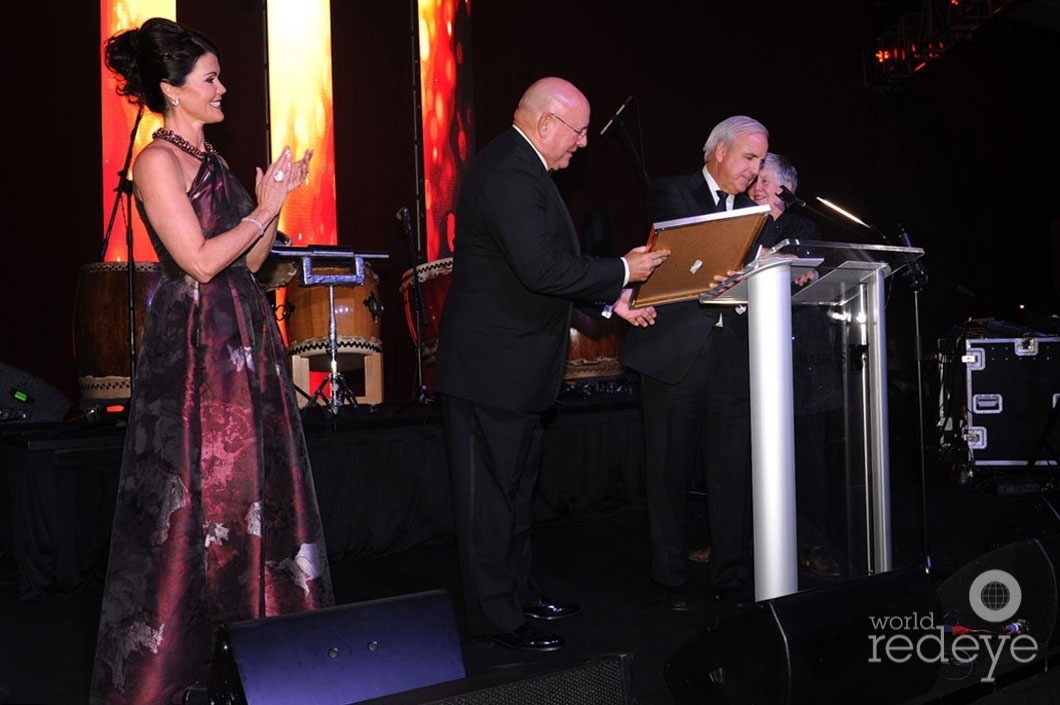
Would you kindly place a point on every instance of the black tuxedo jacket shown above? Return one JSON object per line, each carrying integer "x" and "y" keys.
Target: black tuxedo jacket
{"x": 517, "y": 268}
{"x": 666, "y": 350}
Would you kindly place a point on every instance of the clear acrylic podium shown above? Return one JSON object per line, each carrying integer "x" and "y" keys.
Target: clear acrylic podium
{"x": 849, "y": 286}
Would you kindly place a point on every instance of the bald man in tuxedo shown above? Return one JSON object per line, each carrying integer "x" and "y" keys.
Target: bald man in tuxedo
{"x": 517, "y": 270}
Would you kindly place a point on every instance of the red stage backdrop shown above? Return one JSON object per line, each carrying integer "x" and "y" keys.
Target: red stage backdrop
{"x": 119, "y": 117}
{"x": 446, "y": 115}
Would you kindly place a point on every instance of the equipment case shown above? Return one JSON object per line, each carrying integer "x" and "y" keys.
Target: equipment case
{"x": 1012, "y": 386}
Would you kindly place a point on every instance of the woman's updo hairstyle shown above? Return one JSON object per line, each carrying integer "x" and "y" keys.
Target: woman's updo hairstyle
{"x": 160, "y": 50}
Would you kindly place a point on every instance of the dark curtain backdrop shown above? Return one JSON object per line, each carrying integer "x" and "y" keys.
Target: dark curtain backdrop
{"x": 960, "y": 154}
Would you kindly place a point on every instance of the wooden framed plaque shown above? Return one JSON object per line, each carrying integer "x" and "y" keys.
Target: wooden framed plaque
{"x": 700, "y": 248}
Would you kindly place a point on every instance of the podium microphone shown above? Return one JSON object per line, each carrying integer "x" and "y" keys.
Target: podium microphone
{"x": 614, "y": 118}
{"x": 789, "y": 198}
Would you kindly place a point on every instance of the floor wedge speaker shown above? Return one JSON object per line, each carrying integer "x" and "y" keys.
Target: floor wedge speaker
{"x": 338, "y": 655}
{"x": 1005, "y": 598}
{"x": 1049, "y": 589}
{"x": 603, "y": 680}
{"x": 848, "y": 642}
{"x": 26, "y": 398}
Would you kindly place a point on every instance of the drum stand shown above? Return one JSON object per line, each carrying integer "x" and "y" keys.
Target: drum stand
{"x": 422, "y": 395}
{"x": 335, "y": 381}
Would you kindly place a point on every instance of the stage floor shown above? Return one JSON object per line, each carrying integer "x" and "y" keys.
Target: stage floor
{"x": 590, "y": 546}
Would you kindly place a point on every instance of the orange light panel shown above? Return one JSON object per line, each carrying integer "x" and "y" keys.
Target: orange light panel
{"x": 446, "y": 119}
{"x": 301, "y": 116}
{"x": 119, "y": 116}
{"x": 301, "y": 113}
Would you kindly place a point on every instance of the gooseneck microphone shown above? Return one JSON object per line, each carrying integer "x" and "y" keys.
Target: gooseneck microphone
{"x": 790, "y": 199}
{"x": 614, "y": 118}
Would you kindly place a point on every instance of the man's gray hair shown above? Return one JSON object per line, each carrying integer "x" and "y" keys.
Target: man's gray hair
{"x": 728, "y": 130}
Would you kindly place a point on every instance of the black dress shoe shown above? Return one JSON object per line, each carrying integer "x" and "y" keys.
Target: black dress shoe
{"x": 527, "y": 637}
{"x": 549, "y": 611}
{"x": 678, "y": 599}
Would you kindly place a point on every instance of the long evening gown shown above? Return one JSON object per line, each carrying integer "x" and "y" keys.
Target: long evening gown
{"x": 216, "y": 518}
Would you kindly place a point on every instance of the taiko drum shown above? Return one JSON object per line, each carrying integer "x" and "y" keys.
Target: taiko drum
{"x": 101, "y": 326}
{"x": 358, "y": 316}
{"x": 594, "y": 347}
{"x": 433, "y": 280}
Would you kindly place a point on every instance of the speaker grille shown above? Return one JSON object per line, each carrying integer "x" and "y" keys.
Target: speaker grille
{"x": 604, "y": 680}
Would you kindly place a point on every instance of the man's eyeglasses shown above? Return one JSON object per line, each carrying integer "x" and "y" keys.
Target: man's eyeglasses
{"x": 581, "y": 133}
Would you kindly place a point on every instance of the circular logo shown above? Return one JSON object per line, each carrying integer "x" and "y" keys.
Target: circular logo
{"x": 995, "y": 595}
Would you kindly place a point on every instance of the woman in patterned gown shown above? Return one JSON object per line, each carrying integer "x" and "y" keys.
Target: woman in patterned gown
{"x": 216, "y": 517}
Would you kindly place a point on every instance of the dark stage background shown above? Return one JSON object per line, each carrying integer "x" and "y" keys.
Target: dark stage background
{"x": 962, "y": 153}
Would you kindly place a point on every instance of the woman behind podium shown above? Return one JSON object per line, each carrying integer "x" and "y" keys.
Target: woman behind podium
{"x": 216, "y": 518}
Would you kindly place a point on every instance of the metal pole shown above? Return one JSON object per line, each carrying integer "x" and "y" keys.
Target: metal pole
{"x": 772, "y": 431}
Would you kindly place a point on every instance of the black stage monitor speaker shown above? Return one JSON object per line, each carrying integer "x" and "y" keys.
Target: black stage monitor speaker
{"x": 338, "y": 655}
{"x": 840, "y": 643}
{"x": 25, "y": 398}
{"x": 1008, "y": 592}
{"x": 604, "y": 680}
{"x": 1049, "y": 591}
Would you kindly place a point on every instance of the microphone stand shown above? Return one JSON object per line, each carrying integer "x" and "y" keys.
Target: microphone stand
{"x": 618, "y": 122}
{"x": 421, "y": 396}
{"x": 124, "y": 189}
{"x": 917, "y": 278}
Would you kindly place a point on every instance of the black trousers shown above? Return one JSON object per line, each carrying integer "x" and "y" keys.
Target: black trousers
{"x": 494, "y": 464}
{"x": 700, "y": 413}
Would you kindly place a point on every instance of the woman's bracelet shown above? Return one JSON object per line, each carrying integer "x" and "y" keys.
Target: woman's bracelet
{"x": 261, "y": 228}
